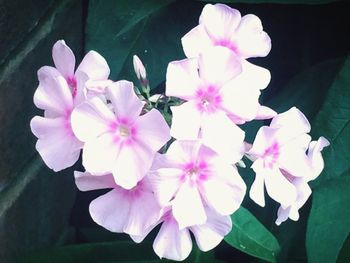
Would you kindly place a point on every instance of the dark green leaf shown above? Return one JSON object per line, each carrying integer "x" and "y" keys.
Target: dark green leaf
{"x": 251, "y": 237}
{"x": 329, "y": 221}
{"x": 333, "y": 122}
{"x": 151, "y": 29}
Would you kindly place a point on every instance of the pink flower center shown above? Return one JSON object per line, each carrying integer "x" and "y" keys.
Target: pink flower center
{"x": 124, "y": 131}
{"x": 271, "y": 154}
{"x": 208, "y": 99}
{"x": 227, "y": 43}
{"x": 72, "y": 83}
{"x": 195, "y": 172}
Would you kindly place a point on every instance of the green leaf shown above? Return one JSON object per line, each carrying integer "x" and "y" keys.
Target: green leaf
{"x": 119, "y": 251}
{"x": 308, "y": 2}
{"x": 151, "y": 29}
{"x": 333, "y": 122}
{"x": 251, "y": 237}
{"x": 329, "y": 221}
{"x": 316, "y": 80}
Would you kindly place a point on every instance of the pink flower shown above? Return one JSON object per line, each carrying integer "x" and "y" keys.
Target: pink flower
{"x": 57, "y": 144}
{"x": 175, "y": 243}
{"x": 219, "y": 90}
{"x": 301, "y": 183}
{"x": 60, "y": 90}
{"x": 119, "y": 141}
{"x": 191, "y": 176}
{"x": 220, "y": 25}
{"x": 123, "y": 211}
{"x": 93, "y": 65}
{"x": 279, "y": 158}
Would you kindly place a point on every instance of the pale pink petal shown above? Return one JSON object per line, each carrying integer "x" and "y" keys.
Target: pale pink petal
{"x": 223, "y": 136}
{"x": 278, "y": 187}
{"x": 100, "y": 154}
{"x": 87, "y": 181}
{"x": 81, "y": 92}
{"x": 218, "y": 65}
{"x": 250, "y": 38}
{"x": 132, "y": 164}
{"x": 196, "y": 41}
{"x": 293, "y": 160}
{"x": 153, "y": 130}
{"x": 220, "y": 21}
{"x": 314, "y": 153}
{"x": 172, "y": 243}
{"x": 186, "y": 121}
{"x": 165, "y": 183}
{"x": 139, "y": 68}
{"x": 111, "y": 210}
{"x": 221, "y": 196}
{"x": 182, "y": 78}
{"x": 91, "y": 119}
{"x": 256, "y": 192}
{"x": 125, "y": 102}
{"x": 182, "y": 151}
{"x": 210, "y": 234}
{"x": 188, "y": 199}
{"x": 56, "y": 143}
{"x": 303, "y": 191}
{"x": 241, "y": 94}
{"x": 53, "y": 93}
{"x": 95, "y": 66}
{"x": 265, "y": 113}
{"x": 64, "y": 59}
{"x": 264, "y": 138}
{"x": 144, "y": 212}
{"x": 282, "y": 214}
{"x": 294, "y": 120}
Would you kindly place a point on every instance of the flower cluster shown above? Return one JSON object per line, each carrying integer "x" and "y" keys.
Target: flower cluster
{"x": 185, "y": 176}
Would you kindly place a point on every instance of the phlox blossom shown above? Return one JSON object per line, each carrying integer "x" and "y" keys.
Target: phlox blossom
{"x": 301, "y": 183}
{"x": 221, "y": 25}
{"x": 218, "y": 90}
{"x": 117, "y": 139}
{"x": 60, "y": 90}
{"x": 130, "y": 211}
{"x": 191, "y": 176}
{"x": 279, "y": 154}
{"x": 173, "y": 242}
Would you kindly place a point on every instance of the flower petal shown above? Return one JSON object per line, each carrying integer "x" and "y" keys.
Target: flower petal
{"x": 188, "y": 199}
{"x": 125, "y": 102}
{"x": 165, "y": 183}
{"x": 64, "y": 59}
{"x": 172, "y": 243}
{"x": 111, "y": 210}
{"x": 53, "y": 93}
{"x": 265, "y": 113}
{"x": 241, "y": 94}
{"x": 153, "y": 130}
{"x": 218, "y": 65}
{"x": 132, "y": 164}
{"x": 56, "y": 143}
{"x": 91, "y": 119}
{"x": 95, "y": 66}
{"x": 314, "y": 153}
{"x": 87, "y": 181}
{"x": 294, "y": 120}
{"x": 186, "y": 121}
{"x": 250, "y": 38}
{"x": 182, "y": 78}
{"x": 196, "y": 41}
{"x": 256, "y": 192}
{"x": 210, "y": 234}
{"x": 144, "y": 212}
{"x": 100, "y": 154}
{"x": 220, "y": 21}
{"x": 264, "y": 138}
{"x": 223, "y": 136}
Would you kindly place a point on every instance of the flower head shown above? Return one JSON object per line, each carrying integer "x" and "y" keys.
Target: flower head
{"x": 119, "y": 140}
{"x": 221, "y": 25}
